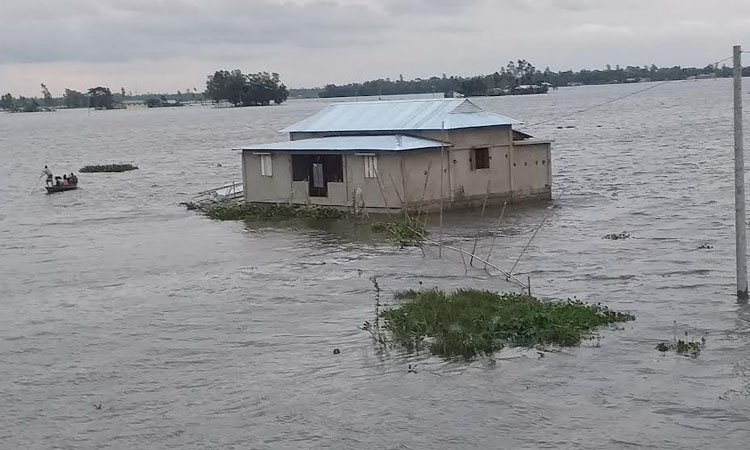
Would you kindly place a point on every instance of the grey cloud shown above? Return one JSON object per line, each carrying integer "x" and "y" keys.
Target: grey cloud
{"x": 430, "y": 7}
{"x": 117, "y": 30}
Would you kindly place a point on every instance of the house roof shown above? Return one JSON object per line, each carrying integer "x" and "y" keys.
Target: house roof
{"x": 390, "y": 143}
{"x": 400, "y": 115}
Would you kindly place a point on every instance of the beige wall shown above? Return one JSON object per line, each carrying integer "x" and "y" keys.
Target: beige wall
{"x": 528, "y": 160}
{"x": 281, "y": 188}
{"x": 389, "y": 171}
{"x": 259, "y": 188}
{"x": 532, "y": 173}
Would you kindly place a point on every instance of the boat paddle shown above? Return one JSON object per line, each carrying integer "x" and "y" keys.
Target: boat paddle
{"x": 36, "y": 184}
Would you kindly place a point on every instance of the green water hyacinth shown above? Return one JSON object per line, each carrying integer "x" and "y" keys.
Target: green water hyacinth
{"x": 467, "y": 323}
{"x": 108, "y": 168}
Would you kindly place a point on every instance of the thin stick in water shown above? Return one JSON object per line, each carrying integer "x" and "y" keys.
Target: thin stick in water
{"x": 476, "y": 238}
{"x": 442, "y": 169}
{"x": 424, "y": 190}
{"x": 494, "y": 235}
{"x": 382, "y": 192}
{"x": 535, "y": 232}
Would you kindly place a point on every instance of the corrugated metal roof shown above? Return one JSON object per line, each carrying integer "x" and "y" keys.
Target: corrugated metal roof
{"x": 391, "y": 143}
{"x": 400, "y": 115}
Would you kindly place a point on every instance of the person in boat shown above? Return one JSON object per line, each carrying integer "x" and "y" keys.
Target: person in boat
{"x": 72, "y": 179}
{"x": 58, "y": 181}
{"x": 65, "y": 180}
{"x": 48, "y": 173}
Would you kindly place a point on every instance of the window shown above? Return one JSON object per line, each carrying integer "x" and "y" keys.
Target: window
{"x": 481, "y": 158}
{"x": 371, "y": 166}
{"x": 266, "y": 165}
{"x": 300, "y": 167}
{"x": 333, "y": 168}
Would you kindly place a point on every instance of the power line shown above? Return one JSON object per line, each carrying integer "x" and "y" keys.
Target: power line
{"x": 617, "y": 99}
{"x": 581, "y": 111}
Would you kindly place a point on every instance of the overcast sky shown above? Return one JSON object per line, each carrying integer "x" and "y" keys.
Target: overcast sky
{"x": 169, "y": 45}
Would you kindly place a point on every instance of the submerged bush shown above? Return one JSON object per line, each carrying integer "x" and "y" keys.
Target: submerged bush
{"x": 405, "y": 233}
{"x": 470, "y": 322}
{"x": 108, "y": 168}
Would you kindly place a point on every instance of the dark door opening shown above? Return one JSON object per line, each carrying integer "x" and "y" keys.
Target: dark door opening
{"x": 318, "y": 171}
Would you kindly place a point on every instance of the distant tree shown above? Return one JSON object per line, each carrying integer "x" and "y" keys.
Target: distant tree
{"x": 253, "y": 89}
{"x": 27, "y": 104}
{"x": 100, "y": 98}
{"x": 473, "y": 87}
{"x": 75, "y": 99}
{"x": 7, "y": 102}
{"x": 31, "y": 105}
{"x": 225, "y": 86}
{"x": 48, "y": 101}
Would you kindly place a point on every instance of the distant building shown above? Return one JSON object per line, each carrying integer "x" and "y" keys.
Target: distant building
{"x": 130, "y": 104}
{"x": 399, "y": 154}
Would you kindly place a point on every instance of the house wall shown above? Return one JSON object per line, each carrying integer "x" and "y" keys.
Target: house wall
{"x": 370, "y": 194}
{"x": 518, "y": 170}
{"x": 281, "y": 188}
{"x": 259, "y": 188}
{"x": 532, "y": 173}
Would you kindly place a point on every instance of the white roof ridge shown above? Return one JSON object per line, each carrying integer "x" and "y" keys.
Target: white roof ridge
{"x": 445, "y": 100}
{"x": 399, "y": 115}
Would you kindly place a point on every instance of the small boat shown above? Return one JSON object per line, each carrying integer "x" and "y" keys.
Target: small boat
{"x": 60, "y": 188}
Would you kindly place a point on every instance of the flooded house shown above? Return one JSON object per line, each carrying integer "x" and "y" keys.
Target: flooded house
{"x": 409, "y": 154}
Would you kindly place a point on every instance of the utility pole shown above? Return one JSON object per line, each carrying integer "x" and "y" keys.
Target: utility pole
{"x": 739, "y": 180}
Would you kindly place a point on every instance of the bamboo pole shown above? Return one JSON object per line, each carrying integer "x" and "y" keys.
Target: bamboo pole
{"x": 382, "y": 193}
{"x": 400, "y": 199}
{"x": 442, "y": 169}
{"x": 484, "y": 207}
{"x": 494, "y": 235}
{"x": 424, "y": 190}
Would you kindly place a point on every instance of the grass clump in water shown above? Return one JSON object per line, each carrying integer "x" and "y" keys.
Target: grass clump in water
{"x": 467, "y": 323}
{"x": 684, "y": 347}
{"x": 108, "y": 168}
{"x": 268, "y": 211}
{"x": 404, "y": 233}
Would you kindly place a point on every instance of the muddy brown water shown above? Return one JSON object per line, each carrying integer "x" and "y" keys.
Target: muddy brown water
{"x": 199, "y": 334}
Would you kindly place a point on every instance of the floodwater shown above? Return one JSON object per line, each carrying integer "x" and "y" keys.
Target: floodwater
{"x": 199, "y": 334}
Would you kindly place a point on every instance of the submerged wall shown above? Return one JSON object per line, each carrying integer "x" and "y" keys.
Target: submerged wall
{"x": 518, "y": 170}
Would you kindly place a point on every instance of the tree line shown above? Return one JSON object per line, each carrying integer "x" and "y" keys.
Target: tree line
{"x": 236, "y": 88}
{"x": 263, "y": 88}
{"x": 520, "y": 73}
{"x": 97, "y": 97}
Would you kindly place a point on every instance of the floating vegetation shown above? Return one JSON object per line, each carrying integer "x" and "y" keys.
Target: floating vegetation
{"x": 466, "y": 323}
{"x": 268, "y": 211}
{"x": 404, "y": 233}
{"x": 616, "y": 236}
{"x": 691, "y": 348}
{"x": 108, "y": 168}
{"x": 705, "y": 247}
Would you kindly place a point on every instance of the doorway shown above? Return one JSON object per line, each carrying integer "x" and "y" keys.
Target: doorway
{"x": 318, "y": 171}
